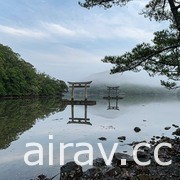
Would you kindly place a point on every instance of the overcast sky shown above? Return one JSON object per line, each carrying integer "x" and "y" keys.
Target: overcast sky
{"x": 67, "y": 41}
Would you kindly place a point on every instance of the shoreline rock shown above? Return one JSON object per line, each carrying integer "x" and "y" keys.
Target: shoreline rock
{"x": 131, "y": 170}
{"x": 137, "y": 129}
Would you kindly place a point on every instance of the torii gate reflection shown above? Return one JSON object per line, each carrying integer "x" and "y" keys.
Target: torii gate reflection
{"x": 113, "y": 97}
{"x": 79, "y": 120}
{"x": 112, "y": 107}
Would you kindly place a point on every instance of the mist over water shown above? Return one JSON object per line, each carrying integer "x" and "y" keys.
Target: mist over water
{"x": 138, "y": 78}
{"x": 23, "y": 121}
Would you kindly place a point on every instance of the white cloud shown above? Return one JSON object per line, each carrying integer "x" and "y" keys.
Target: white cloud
{"x": 22, "y": 32}
{"x": 58, "y": 29}
{"x": 100, "y": 27}
{"x": 100, "y": 31}
{"x": 76, "y": 31}
{"x": 112, "y": 30}
{"x": 67, "y": 63}
{"x": 65, "y": 55}
{"x": 134, "y": 33}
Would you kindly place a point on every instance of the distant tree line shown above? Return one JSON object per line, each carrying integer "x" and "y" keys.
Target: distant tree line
{"x": 20, "y": 78}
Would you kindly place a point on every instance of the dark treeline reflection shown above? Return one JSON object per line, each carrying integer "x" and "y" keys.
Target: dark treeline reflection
{"x": 17, "y": 116}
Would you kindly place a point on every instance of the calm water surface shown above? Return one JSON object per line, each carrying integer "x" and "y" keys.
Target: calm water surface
{"x": 24, "y": 121}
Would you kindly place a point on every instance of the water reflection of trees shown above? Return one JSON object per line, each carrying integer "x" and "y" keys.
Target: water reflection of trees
{"x": 17, "y": 116}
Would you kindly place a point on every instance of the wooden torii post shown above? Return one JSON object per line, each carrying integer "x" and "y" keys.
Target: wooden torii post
{"x": 84, "y": 85}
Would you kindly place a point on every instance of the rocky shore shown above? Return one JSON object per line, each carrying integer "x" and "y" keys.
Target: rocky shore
{"x": 131, "y": 171}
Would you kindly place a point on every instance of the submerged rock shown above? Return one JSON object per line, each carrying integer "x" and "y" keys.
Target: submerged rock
{"x": 158, "y": 137}
{"x": 137, "y": 129}
{"x": 102, "y": 138}
{"x": 174, "y": 125}
{"x": 134, "y": 143}
{"x": 167, "y": 128}
{"x": 123, "y": 138}
{"x": 43, "y": 177}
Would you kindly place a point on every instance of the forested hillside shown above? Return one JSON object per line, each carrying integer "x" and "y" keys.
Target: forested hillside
{"x": 19, "y": 78}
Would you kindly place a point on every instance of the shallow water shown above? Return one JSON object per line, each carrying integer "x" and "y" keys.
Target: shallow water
{"x": 25, "y": 121}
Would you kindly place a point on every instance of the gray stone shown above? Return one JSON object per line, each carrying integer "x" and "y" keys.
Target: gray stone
{"x": 116, "y": 161}
{"x": 167, "y": 128}
{"x": 71, "y": 171}
{"x": 99, "y": 162}
{"x": 174, "y": 125}
{"x": 122, "y": 138}
{"x": 177, "y": 132}
{"x": 102, "y": 138}
{"x": 112, "y": 172}
{"x": 137, "y": 129}
{"x": 143, "y": 156}
{"x": 93, "y": 173}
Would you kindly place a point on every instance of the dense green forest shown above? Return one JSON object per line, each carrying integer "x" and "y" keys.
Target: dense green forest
{"x": 19, "y": 78}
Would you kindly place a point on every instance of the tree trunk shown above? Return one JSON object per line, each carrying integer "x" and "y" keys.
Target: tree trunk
{"x": 176, "y": 14}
